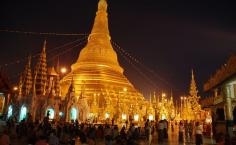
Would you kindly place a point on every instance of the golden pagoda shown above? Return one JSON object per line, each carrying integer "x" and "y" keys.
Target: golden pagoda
{"x": 98, "y": 76}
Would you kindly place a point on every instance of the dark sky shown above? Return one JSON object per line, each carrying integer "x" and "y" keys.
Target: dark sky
{"x": 168, "y": 37}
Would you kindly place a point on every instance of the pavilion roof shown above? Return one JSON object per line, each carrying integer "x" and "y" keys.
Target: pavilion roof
{"x": 222, "y": 74}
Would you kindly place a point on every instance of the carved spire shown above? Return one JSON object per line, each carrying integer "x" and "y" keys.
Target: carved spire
{"x": 171, "y": 98}
{"x": 27, "y": 78}
{"x": 154, "y": 98}
{"x": 41, "y": 73}
{"x": 158, "y": 100}
{"x": 72, "y": 86}
{"x": 57, "y": 85}
{"x": 52, "y": 82}
{"x": 150, "y": 98}
{"x": 193, "y": 99}
{"x": 193, "y": 88}
{"x": 20, "y": 83}
{"x": 71, "y": 90}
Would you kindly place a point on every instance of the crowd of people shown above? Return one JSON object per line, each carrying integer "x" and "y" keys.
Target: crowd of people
{"x": 49, "y": 132}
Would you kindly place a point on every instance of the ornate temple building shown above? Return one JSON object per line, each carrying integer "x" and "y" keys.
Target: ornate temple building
{"x": 221, "y": 97}
{"x": 96, "y": 88}
{"x": 164, "y": 108}
{"x": 98, "y": 79}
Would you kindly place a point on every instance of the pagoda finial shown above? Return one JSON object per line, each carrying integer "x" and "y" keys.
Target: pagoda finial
{"x": 150, "y": 98}
{"x": 29, "y": 61}
{"x": 193, "y": 88}
{"x": 27, "y": 84}
{"x": 20, "y": 83}
{"x": 44, "y": 45}
{"x": 100, "y": 26}
{"x": 58, "y": 65}
{"x": 102, "y": 5}
{"x": 154, "y": 97}
{"x": 99, "y": 43}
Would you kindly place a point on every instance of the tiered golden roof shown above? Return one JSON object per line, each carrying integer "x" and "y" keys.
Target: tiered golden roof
{"x": 97, "y": 70}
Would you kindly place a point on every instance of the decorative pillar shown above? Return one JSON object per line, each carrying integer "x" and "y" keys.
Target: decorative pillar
{"x": 228, "y": 111}
{"x": 232, "y": 94}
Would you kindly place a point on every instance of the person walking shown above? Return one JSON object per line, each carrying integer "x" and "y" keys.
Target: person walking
{"x": 165, "y": 129}
{"x": 181, "y": 132}
{"x": 149, "y": 134}
{"x": 199, "y": 130}
{"x": 160, "y": 131}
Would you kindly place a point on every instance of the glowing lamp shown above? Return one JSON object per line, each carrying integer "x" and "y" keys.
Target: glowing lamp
{"x": 136, "y": 117}
{"x": 15, "y": 88}
{"x": 63, "y": 70}
{"x": 124, "y": 117}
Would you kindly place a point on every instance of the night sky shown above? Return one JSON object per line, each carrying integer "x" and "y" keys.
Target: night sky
{"x": 169, "y": 38}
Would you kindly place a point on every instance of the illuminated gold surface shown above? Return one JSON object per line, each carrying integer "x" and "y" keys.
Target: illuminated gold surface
{"x": 97, "y": 70}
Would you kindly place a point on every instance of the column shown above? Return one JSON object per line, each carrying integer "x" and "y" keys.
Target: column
{"x": 229, "y": 111}
{"x": 232, "y": 95}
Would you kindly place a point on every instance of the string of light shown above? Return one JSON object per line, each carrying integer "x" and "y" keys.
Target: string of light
{"x": 135, "y": 67}
{"x": 55, "y": 56}
{"x": 43, "y": 33}
{"x": 48, "y": 52}
{"x": 138, "y": 62}
{"x": 145, "y": 67}
{"x": 67, "y": 50}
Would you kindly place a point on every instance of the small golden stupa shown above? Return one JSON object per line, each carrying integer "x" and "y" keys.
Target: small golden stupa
{"x": 98, "y": 76}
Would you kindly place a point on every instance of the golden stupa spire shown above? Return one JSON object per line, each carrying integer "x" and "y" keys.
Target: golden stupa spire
{"x": 193, "y": 87}
{"x": 97, "y": 69}
{"x": 99, "y": 46}
{"x": 100, "y": 26}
